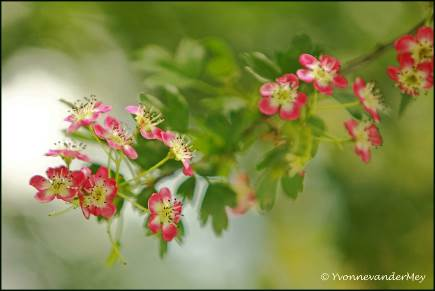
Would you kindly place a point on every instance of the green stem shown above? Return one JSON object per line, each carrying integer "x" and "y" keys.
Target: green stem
{"x": 109, "y": 159}
{"x": 117, "y": 166}
{"x": 60, "y": 212}
{"x": 114, "y": 244}
{"x": 132, "y": 201}
{"x": 341, "y": 105}
{"x": 165, "y": 159}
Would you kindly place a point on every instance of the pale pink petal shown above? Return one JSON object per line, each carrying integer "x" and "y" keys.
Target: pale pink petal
{"x": 147, "y": 134}
{"x": 268, "y": 88}
{"x": 169, "y": 231}
{"x": 290, "y": 79}
{"x": 83, "y": 157}
{"x": 154, "y": 223}
{"x": 73, "y": 127}
{"x": 266, "y": 107}
{"x": 130, "y": 152}
{"x": 154, "y": 202}
{"x": 133, "y": 109}
{"x": 305, "y": 75}
{"x": 43, "y": 197}
{"x": 103, "y": 108}
{"x": 39, "y": 182}
{"x": 167, "y": 137}
{"x": 70, "y": 118}
{"x": 165, "y": 193}
{"x": 86, "y": 171}
{"x": 290, "y": 112}
{"x": 359, "y": 85}
{"x": 113, "y": 144}
{"x": 329, "y": 63}
{"x": 363, "y": 153}
{"x": 308, "y": 61}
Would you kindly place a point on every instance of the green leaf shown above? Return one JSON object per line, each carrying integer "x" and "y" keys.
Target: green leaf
{"x": 317, "y": 125}
{"x": 189, "y": 57}
{"x": 217, "y": 197}
{"x": 221, "y": 64}
{"x": 181, "y": 233}
{"x": 260, "y": 65}
{"x": 144, "y": 195}
{"x": 266, "y": 189}
{"x": 273, "y": 158}
{"x": 292, "y": 186}
{"x": 187, "y": 188}
{"x": 404, "y": 103}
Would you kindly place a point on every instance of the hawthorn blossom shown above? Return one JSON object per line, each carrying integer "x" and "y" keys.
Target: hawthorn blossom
{"x": 180, "y": 148}
{"x": 147, "y": 119}
{"x": 68, "y": 151}
{"x": 85, "y": 112}
{"x": 165, "y": 213}
{"x": 97, "y": 194}
{"x": 365, "y": 135}
{"x": 323, "y": 73}
{"x": 418, "y": 47}
{"x": 116, "y": 136}
{"x": 61, "y": 184}
{"x": 245, "y": 193}
{"x": 410, "y": 78}
{"x": 370, "y": 98}
{"x": 282, "y": 96}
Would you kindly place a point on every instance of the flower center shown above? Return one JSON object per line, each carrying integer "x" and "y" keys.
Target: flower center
{"x": 411, "y": 79}
{"x": 96, "y": 196}
{"x": 166, "y": 213}
{"x": 59, "y": 186}
{"x": 83, "y": 109}
{"x": 283, "y": 95}
{"x": 423, "y": 51}
{"x": 362, "y": 136}
{"x": 322, "y": 76}
{"x": 120, "y": 136}
{"x": 372, "y": 96}
{"x": 181, "y": 148}
{"x": 148, "y": 118}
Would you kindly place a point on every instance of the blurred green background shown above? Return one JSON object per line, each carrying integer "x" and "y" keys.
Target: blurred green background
{"x": 351, "y": 219}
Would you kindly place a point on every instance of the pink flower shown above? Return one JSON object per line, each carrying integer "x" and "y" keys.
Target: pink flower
{"x": 180, "y": 148}
{"x": 68, "y": 151}
{"x": 411, "y": 79}
{"x": 147, "y": 119}
{"x": 282, "y": 96}
{"x": 365, "y": 135}
{"x": 164, "y": 214}
{"x": 370, "y": 98}
{"x": 323, "y": 73}
{"x": 61, "y": 183}
{"x": 418, "y": 47}
{"x": 245, "y": 193}
{"x": 116, "y": 136}
{"x": 97, "y": 194}
{"x": 85, "y": 112}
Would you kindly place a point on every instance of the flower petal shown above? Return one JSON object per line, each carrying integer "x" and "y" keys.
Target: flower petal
{"x": 73, "y": 127}
{"x": 133, "y": 109}
{"x": 268, "y": 88}
{"x": 324, "y": 89}
{"x": 290, "y": 112}
{"x": 305, "y": 75}
{"x": 266, "y": 107}
{"x": 425, "y": 33}
{"x": 43, "y": 197}
{"x": 100, "y": 131}
{"x": 404, "y": 44}
{"x": 301, "y": 99}
{"x": 363, "y": 153}
{"x": 167, "y": 137}
{"x": 112, "y": 122}
{"x": 350, "y": 125}
{"x": 130, "y": 152}
{"x": 108, "y": 211}
{"x": 374, "y": 135}
{"x": 154, "y": 223}
{"x": 308, "y": 61}
{"x": 290, "y": 79}
{"x": 329, "y": 63}
{"x": 340, "y": 81}
{"x": 78, "y": 178}
{"x": 187, "y": 169}
{"x": 359, "y": 85}
{"x": 165, "y": 194}
{"x": 154, "y": 203}
{"x": 39, "y": 182}
{"x": 102, "y": 172}
{"x": 393, "y": 73}
{"x": 169, "y": 231}
{"x": 100, "y": 107}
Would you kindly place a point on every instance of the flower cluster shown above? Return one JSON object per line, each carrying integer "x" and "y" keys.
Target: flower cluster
{"x": 96, "y": 192}
{"x": 414, "y": 75}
